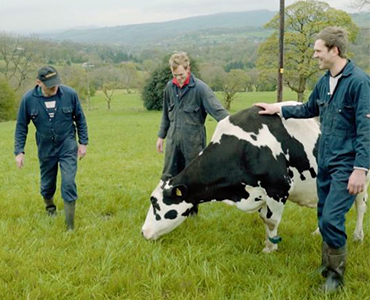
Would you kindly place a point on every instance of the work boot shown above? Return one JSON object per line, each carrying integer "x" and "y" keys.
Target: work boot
{"x": 69, "y": 208}
{"x": 50, "y": 207}
{"x": 324, "y": 260}
{"x": 337, "y": 259}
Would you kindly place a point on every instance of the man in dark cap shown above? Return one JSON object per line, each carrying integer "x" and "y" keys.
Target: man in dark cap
{"x": 56, "y": 112}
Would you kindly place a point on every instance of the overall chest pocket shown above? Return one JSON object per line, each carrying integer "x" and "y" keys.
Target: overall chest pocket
{"x": 34, "y": 115}
{"x": 192, "y": 115}
{"x": 171, "y": 111}
{"x": 344, "y": 118}
{"x": 67, "y": 112}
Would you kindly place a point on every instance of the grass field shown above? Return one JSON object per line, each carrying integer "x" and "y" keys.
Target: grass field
{"x": 214, "y": 256}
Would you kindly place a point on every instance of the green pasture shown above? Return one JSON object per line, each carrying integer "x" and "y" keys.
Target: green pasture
{"x": 214, "y": 256}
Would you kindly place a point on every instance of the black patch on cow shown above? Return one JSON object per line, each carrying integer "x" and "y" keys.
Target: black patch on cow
{"x": 254, "y": 137}
{"x": 172, "y": 214}
{"x": 313, "y": 173}
{"x": 155, "y": 204}
{"x": 224, "y": 168}
{"x": 187, "y": 212}
{"x": 303, "y": 177}
{"x": 156, "y": 207}
{"x": 250, "y": 121}
{"x": 269, "y": 213}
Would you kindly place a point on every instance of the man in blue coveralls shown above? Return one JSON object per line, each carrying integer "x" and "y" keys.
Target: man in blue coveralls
{"x": 342, "y": 100}
{"x": 56, "y": 112}
{"x": 187, "y": 101}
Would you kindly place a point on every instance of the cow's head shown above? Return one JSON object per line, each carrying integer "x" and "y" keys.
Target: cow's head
{"x": 168, "y": 210}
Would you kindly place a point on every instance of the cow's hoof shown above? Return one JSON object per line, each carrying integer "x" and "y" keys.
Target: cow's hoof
{"x": 358, "y": 236}
{"x": 316, "y": 232}
{"x": 268, "y": 249}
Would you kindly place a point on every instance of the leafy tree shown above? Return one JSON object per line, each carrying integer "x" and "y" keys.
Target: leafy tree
{"x": 152, "y": 94}
{"x": 7, "y": 101}
{"x": 77, "y": 79}
{"x": 303, "y": 20}
{"x": 235, "y": 81}
{"x": 153, "y": 91}
{"x": 235, "y": 64}
{"x": 213, "y": 75}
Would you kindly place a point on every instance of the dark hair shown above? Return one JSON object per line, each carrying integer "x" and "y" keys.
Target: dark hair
{"x": 334, "y": 37}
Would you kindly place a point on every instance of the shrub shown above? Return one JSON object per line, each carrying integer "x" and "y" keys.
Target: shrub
{"x": 7, "y": 102}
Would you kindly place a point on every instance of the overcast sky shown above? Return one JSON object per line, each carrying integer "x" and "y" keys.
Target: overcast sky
{"x": 37, "y": 16}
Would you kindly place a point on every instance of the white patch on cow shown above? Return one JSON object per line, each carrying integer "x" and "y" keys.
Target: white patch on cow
{"x": 304, "y": 191}
{"x": 264, "y": 138}
{"x": 167, "y": 185}
{"x": 229, "y": 202}
{"x": 250, "y": 204}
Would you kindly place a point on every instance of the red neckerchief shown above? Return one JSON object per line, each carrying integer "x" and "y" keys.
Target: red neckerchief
{"x": 174, "y": 81}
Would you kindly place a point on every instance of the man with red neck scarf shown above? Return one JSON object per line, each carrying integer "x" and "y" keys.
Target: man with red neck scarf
{"x": 187, "y": 101}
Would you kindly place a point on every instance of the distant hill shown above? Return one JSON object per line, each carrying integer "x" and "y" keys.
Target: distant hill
{"x": 154, "y": 32}
{"x": 201, "y": 29}
{"x": 361, "y": 19}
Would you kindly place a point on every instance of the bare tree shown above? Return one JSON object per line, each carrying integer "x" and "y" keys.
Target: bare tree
{"x": 18, "y": 54}
{"x": 108, "y": 91}
{"x": 234, "y": 82}
{"x": 129, "y": 75}
{"x": 361, "y": 4}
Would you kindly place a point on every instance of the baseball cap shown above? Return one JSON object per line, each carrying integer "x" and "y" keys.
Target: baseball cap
{"x": 49, "y": 76}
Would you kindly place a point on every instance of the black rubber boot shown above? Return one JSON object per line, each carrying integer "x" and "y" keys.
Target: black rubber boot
{"x": 69, "y": 208}
{"x": 324, "y": 260}
{"x": 337, "y": 259}
{"x": 50, "y": 207}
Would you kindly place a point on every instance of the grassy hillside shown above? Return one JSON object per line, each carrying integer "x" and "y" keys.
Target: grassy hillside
{"x": 214, "y": 256}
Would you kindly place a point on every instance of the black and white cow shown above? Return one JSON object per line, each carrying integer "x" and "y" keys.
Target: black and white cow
{"x": 253, "y": 162}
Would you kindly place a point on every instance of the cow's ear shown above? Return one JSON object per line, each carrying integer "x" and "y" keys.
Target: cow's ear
{"x": 179, "y": 191}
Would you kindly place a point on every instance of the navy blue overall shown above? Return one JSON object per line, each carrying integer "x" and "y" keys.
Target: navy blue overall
{"x": 55, "y": 137}
{"x": 184, "y": 114}
{"x": 344, "y": 144}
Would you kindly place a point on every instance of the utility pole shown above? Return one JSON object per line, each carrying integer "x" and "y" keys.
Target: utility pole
{"x": 281, "y": 53}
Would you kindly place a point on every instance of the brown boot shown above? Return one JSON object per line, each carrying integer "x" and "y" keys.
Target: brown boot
{"x": 50, "y": 207}
{"x": 69, "y": 208}
{"x": 337, "y": 259}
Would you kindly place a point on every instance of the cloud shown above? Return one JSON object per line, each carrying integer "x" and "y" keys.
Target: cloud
{"x": 47, "y": 15}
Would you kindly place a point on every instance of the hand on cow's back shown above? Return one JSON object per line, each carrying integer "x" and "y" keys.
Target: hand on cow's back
{"x": 268, "y": 109}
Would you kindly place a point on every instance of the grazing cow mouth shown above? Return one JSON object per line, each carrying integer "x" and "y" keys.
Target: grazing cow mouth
{"x": 148, "y": 234}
